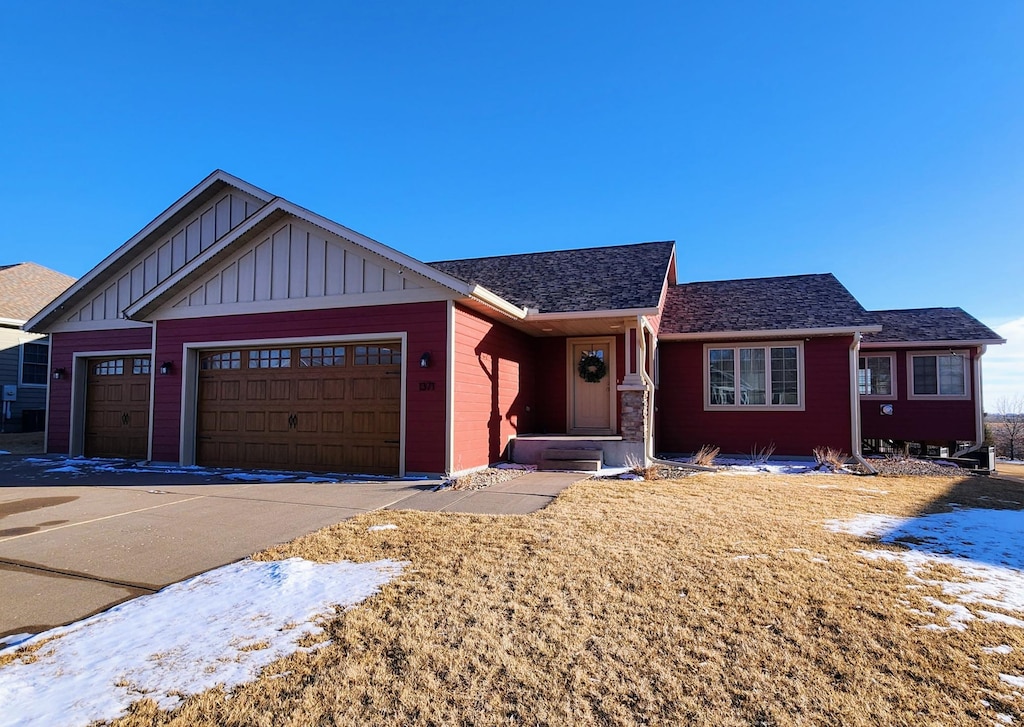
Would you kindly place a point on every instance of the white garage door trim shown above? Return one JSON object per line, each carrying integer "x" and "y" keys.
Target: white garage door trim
{"x": 190, "y": 380}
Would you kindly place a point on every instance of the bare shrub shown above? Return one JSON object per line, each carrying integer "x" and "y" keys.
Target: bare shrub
{"x": 829, "y": 458}
{"x": 761, "y": 455}
{"x": 705, "y": 456}
{"x": 637, "y": 467}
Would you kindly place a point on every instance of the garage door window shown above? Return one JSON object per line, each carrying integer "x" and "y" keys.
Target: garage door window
{"x": 322, "y": 356}
{"x": 222, "y": 360}
{"x": 140, "y": 366}
{"x": 270, "y": 358}
{"x": 376, "y": 355}
{"x": 114, "y": 367}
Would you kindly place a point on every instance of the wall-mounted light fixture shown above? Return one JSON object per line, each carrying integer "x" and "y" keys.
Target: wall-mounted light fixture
{"x": 59, "y": 373}
{"x": 166, "y": 367}
{"x": 425, "y": 360}
{"x": 885, "y": 410}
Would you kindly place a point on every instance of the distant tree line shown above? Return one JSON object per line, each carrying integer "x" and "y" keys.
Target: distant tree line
{"x": 1005, "y": 427}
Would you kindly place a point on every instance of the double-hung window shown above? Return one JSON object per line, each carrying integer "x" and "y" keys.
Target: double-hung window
{"x": 939, "y": 375}
{"x": 748, "y": 376}
{"x": 34, "y": 358}
{"x": 875, "y": 375}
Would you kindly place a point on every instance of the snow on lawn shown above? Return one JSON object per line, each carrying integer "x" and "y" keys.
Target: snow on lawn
{"x": 986, "y": 546}
{"x": 221, "y": 627}
{"x": 772, "y": 467}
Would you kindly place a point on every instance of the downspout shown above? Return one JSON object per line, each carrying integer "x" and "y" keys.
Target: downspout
{"x": 855, "y": 425}
{"x": 979, "y": 409}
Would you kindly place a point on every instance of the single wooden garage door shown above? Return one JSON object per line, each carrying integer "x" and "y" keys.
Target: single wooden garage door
{"x": 325, "y": 408}
{"x": 117, "y": 407}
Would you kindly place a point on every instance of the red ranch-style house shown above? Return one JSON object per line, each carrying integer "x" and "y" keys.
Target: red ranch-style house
{"x": 239, "y": 329}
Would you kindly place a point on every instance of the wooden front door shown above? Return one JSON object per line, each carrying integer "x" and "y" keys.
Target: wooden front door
{"x": 117, "y": 407}
{"x": 591, "y": 403}
{"x": 319, "y": 408}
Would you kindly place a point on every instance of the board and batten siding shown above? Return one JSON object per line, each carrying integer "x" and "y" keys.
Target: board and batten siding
{"x": 63, "y": 347}
{"x": 494, "y": 389}
{"x": 920, "y": 419}
{"x": 684, "y": 426}
{"x": 424, "y": 323}
{"x": 166, "y": 256}
{"x": 295, "y": 261}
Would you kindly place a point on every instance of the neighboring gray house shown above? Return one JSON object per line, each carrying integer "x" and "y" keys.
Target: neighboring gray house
{"x": 24, "y": 357}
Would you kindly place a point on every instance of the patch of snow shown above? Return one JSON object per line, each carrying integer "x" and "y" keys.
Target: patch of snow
{"x": 1013, "y": 681}
{"x": 985, "y": 546}
{"x": 378, "y": 528}
{"x": 70, "y": 469}
{"x": 1002, "y": 649}
{"x": 630, "y": 476}
{"x": 1004, "y": 718}
{"x": 221, "y": 627}
{"x": 772, "y": 467}
{"x": 38, "y": 460}
{"x": 13, "y": 640}
{"x": 4, "y": 451}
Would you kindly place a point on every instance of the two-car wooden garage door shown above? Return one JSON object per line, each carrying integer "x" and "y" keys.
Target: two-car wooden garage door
{"x": 323, "y": 408}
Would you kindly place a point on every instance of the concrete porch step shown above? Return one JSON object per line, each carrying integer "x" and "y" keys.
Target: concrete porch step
{"x": 572, "y": 454}
{"x": 570, "y": 465}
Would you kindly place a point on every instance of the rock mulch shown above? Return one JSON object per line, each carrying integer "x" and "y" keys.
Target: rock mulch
{"x": 911, "y": 467}
{"x": 484, "y": 478}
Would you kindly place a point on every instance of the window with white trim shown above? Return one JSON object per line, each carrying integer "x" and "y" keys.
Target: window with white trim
{"x": 875, "y": 375}
{"x": 34, "y": 357}
{"x": 767, "y": 376}
{"x": 939, "y": 375}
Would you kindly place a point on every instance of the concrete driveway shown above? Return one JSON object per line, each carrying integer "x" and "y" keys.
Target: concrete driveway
{"x": 77, "y": 538}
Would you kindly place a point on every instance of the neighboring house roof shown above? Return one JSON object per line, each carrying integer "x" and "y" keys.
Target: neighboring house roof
{"x": 805, "y": 303}
{"x": 621, "y": 277}
{"x": 941, "y": 325}
{"x": 26, "y": 287}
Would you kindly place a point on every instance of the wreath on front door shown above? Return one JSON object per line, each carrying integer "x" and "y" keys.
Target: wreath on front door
{"x": 592, "y": 368}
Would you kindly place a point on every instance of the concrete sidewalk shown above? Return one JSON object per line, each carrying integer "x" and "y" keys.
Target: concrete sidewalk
{"x": 70, "y": 549}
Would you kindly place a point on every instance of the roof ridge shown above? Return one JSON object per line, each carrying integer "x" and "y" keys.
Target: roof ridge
{"x": 763, "y": 277}
{"x": 554, "y": 252}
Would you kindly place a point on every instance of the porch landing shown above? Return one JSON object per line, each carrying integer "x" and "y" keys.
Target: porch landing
{"x": 574, "y": 452}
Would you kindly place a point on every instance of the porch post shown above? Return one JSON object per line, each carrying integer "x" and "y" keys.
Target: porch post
{"x": 633, "y": 425}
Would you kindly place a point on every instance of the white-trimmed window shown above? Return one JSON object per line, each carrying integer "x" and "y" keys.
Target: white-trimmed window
{"x": 754, "y": 377}
{"x": 876, "y": 375}
{"x": 939, "y": 375}
{"x": 34, "y": 358}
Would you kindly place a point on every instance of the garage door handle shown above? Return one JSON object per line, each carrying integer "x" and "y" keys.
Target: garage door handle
{"x": 125, "y": 418}
{"x": 293, "y": 421}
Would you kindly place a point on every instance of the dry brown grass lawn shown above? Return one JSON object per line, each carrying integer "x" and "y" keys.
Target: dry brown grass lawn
{"x": 713, "y": 600}
{"x": 1014, "y": 470}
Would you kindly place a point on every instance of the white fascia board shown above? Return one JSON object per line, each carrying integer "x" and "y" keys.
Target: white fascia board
{"x": 12, "y": 322}
{"x": 932, "y": 344}
{"x": 779, "y": 333}
{"x": 590, "y": 314}
{"x": 129, "y": 246}
{"x": 497, "y": 302}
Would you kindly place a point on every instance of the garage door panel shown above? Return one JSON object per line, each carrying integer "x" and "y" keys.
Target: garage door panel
{"x": 226, "y": 421}
{"x": 334, "y": 389}
{"x": 323, "y": 413}
{"x": 117, "y": 407}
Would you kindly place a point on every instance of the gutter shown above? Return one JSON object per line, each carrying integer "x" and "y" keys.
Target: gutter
{"x": 855, "y": 424}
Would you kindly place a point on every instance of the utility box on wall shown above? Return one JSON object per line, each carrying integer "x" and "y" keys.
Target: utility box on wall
{"x": 10, "y": 392}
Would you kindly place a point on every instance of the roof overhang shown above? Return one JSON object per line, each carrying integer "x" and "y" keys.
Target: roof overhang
{"x": 933, "y": 344}
{"x": 768, "y": 333}
{"x": 206, "y": 189}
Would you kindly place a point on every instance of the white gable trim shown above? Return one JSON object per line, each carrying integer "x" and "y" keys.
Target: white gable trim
{"x": 149, "y": 303}
{"x": 114, "y": 258}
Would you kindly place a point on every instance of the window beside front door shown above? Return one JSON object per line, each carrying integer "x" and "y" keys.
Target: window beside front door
{"x": 34, "y": 357}
{"x": 754, "y": 377}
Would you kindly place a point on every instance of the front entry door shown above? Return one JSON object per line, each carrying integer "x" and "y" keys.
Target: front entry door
{"x": 591, "y": 403}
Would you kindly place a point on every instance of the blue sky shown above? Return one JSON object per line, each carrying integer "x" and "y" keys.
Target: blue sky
{"x": 883, "y": 142}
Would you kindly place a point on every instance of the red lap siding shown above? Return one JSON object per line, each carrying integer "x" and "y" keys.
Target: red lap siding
{"x": 63, "y": 347}
{"x": 494, "y": 388}
{"x": 918, "y": 420}
{"x": 684, "y": 426}
{"x": 426, "y": 329}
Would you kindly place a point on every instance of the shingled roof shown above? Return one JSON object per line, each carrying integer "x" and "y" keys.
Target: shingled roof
{"x": 795, "y": 302}
{"x": 571, "y": 281}
{"x": 26, "y": 287}
{"x": 930, "y": 324}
